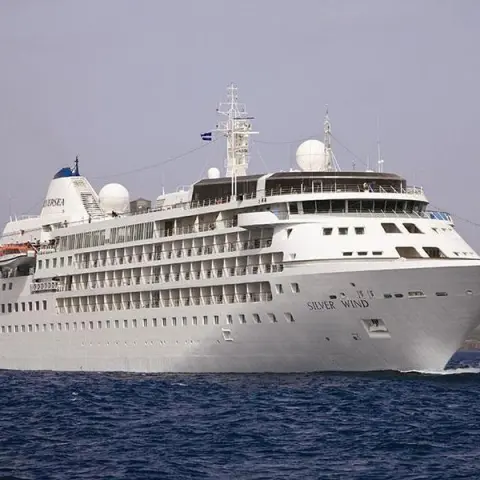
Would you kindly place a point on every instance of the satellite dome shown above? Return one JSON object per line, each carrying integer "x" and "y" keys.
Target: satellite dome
{"x": 114, "y": 198}
{"x": 311, "y": 156}
{"x": 213, "y": 173}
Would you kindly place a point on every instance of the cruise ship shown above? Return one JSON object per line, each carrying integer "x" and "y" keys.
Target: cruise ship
{"x": 313, "y": 269}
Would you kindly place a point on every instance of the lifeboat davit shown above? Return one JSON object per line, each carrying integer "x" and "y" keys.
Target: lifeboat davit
{"x": 16, "y": 254}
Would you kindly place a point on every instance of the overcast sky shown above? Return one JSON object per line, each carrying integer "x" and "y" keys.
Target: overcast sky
{"x": 126, "y": 84}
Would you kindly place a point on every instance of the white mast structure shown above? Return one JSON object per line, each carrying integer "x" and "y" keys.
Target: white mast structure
{"x": 331, "y": 164}
{"x": 379, "y": 152}
{"x": 237, "y": 128}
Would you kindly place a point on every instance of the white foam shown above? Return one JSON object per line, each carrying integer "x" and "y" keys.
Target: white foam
{"x": 450, "y": 371}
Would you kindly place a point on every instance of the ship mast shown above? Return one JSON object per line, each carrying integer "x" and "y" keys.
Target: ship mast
{"x": 237, "y": 128}
{"x": 331, "y": 164}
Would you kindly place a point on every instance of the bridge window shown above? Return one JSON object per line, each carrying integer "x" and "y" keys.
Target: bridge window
{"x": 408, "y": 252}
{"x": 390, "y": 228}
{"x": 412, "y": 228}
{"x": 434, "y": 252}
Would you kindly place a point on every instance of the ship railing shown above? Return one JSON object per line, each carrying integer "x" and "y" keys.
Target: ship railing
{"x": 225, "y": 272}
{"x": 220, "y": 299}
{"x": 318, "y": 187}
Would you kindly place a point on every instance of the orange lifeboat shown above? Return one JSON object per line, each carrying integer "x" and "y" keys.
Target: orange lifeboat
{"x": 15, "y": 254}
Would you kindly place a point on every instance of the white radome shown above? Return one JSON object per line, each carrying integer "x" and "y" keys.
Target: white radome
{"x": 114, "y": 197}
{"x": 213, "y": 172}
{"x": 311, "y": 156}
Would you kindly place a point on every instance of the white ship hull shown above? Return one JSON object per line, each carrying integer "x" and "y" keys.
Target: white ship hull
{"x": 423, "y": 333}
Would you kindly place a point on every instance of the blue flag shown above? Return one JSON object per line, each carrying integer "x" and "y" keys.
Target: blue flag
{"x": 207, "y": 136}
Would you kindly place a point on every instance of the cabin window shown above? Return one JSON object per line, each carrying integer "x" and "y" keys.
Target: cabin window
{"x": 343, "y": 230}
{"x": 359, "y": 230}
{"x": 434, "y": 252}
{"x": 10, "y": 285}
{"x": 154, "y": 322}
{"x": 289, "y": 317}
{"x": 241, "y": 318}
{"x": 408, "y": 252}
{"x": 90, "y": 325}
{"x": 347, "y": 254}
{"x": 174, "y": 321}
{"x": 9, "y": 308}
{"x": 23, "y": 306}
{"x": 16, "y": 307}
{"x": 362, "y": 254}
{"x": 295, "y": 288}
{"x": 194, "y": 320}
{"x": 412, "y": 228}
{"x": 164, "y": 321}
{"x": 44, "y": 304}
{"x": 327, "y": 231}
{"x": 134, "y": 323}
{"x": 293, "y": 208}
{"x": 279, "y": 288}
{"x": 3, "y": 308}
{"x": 116, "y": 323}
{"x": 416, "y": 294}
{"x": 375, "y": 252}
{"x": 256, "y": 318}
{"x": 30, "y": 306}
{"x": 229, "y": 320}
{"x": 4, "y": 286}
{"x": 62, "y": 261}
{"x": 390, "y": 228}
{"x": 125, "y": 324}
{"x": 216, "y": 319}
{"x": 338, "y": 206}
{"x": 47, "y": 263}
{"x": 40, "y": 262}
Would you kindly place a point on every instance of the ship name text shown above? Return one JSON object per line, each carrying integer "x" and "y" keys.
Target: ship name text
{"x": 54, "y": 202}
{"x": 330, "y": 305}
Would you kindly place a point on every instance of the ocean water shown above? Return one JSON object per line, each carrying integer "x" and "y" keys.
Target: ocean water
{"x": 336, "y": 426}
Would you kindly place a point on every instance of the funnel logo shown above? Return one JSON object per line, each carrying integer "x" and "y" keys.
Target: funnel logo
{"x": 54, "y": 202}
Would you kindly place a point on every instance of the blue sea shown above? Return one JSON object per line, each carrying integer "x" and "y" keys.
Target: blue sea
{"x": 310, "y": 426}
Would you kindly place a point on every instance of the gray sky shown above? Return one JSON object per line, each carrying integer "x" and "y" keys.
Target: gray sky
{"x": 131, "y": 83}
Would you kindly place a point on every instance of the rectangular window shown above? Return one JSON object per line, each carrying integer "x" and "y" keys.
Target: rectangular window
{"x": 70, "y": 259}
{"x": 134, "y": 323}
{"x": 216, "y": 319}
{"x": 145, "y": 322}
{"x": 184, "y": 321}
{"x": 295, "y": 288}
{"x": 59, "y": 326}
{"x": 83, "y": 325}
{"x": 62, "y": 261}
{"x": 327, "y": 231}
{"x": 174, "y": 321}
{"x": 362, "y": 254}
{"x": 154, "y": 322}
{"x": 279, "y": 288}
{"x": 99, "y": 324}
{"x": 74, "y": 326}
{"x": 16, "y": 328}
{"x": 30, "y": 327}
{"x": 125, "y": 324}
{"x": 205, "y": 320}
{"x": 54, "y": 263}
{"x": 4, "y": 286}
{"x": 256, "y": 318}
{"x": 117, "y": 323}
{"x": 390, "y": 228}
{"x": 343, "y": 230}
{"x": 164, "y": 321}
{"x": 241, "y": 318}
{"x": 23, "y": 306}
{"x": 229, "y": 320}
{"x": 40, "y": 262}
{"x": 359, "y": 230}
{"x": 9, "y": 308}
{"x": 347, "y": 254}
{"x": 44, "y": 304}
{"x": 293, "y": 208}
{"x": 3, "y": 308}
{"x": 194, "y": 321}
{"x": 24, "y": 329}
{"x": 30, "y": 306}
{"x": 289, "y": 317}
{"x": 412, "y": 228}
{"x": 16, "y": 307}
{"x": 90, "y": 325}
{"x": 47, "y": 263}
{"x": 37, "y": 305}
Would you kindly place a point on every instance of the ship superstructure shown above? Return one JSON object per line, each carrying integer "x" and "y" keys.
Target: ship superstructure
{"x": 307, "y": 270}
